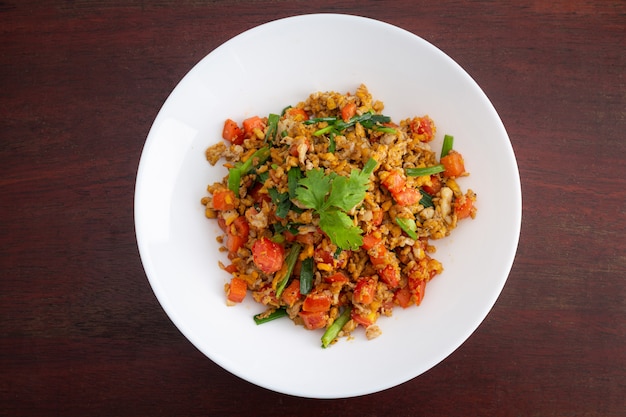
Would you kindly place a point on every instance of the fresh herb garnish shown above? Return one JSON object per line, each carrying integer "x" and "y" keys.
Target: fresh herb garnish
{"x": 408, "y": 226}
{"x": 332, "y": 196}
{"x": 306, "y": 276}
{"x": 333, "y": 330}
{"x": 418, "y": 172}
{"x": 368, "y": 120}
{"x": 448, "y": 141}
{"x": 262, "y": 318}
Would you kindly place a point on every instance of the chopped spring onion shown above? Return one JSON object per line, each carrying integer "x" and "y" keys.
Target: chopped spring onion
{"x": 427, "y": 200}
{"x": 418, "y": 172}
{"x": 262, "y": 318}
{"x": 448, "y": 141}
{"x": 238, "y": 171}
{"x": 290, "y": 262}
{"x": 306, "y": 276}
{"x": 272, "y": 127}
{"x": 408, "y": 226}
{"x": 333, "y": 330}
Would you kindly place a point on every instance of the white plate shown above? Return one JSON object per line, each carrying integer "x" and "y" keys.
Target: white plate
{"x": 262, "y": 71}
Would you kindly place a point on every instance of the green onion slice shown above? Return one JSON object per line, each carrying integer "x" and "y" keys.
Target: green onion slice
{"x": 331, "y": 333}
{"x": 418, "y": 172}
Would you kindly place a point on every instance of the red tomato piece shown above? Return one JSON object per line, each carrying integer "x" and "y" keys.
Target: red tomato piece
{"x": 268, "y": 256}
{"x": 317, "y": 301}
{"x": 291, "y": 293}
{"x": 434, "y": 187}
{"x": 348, "y": 111}
{"x": 314, "y": 319}
{"x": 402, "y": 297}
{"x": 418, "y": 289}
{"x": 251, "y": 123}
{"x": 338, "y": 277}
{"x": 394, "y": 182}
{"x": 407, "y": 197}
{"x": 453, "y": 164}
{"x": 365, "y": 290}
{"x": 297, "y": 114}
{"x": 424, "y": 127}
{"x": 463, "y": 207}
{"x": 237, "y": 290}
{"x": 223, "y": 200}
{"x": 237, "y": 234}
{"x": 232, "y": 132}
{"x": 369, "y": 241}
{"x": 364, "y": 320}
{"x": 390, "y": 276}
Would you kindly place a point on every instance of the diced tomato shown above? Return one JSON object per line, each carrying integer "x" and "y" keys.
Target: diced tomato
{"x": 369, "y": 241}
{"x": 291, "y": 293}
{"x": 314, "y": 319}
{"x": 453, "y": 164}
{"x": 237, "y": 234}
{"x": 306, "y": 238}
{"x": 407, "y": 197}
{"x": 237, "y": 290}
{"x": 224, "y": 200}
{"x": 418, "y": 288}
{"x": 338, "y": 277}
{"x": 294, "y": 148}
{"x": 424, "y": 127}
{"x": 364, "y": 291}
{"x": 317, "y": 301}
{"x": 434, "y": 187}
{"x": 257, "y": 195}
{"x": 377, "y": 217}
{"x": 231, "y": 268}
{"x": 364, "y": 320}
{"x": 379, "y": 255}
{"x": 232, "y": 132}
{"x": 390, "y": 276}
{"x": 463, "y": 207}
{"x": 402, "y": 297}
{"x": 348, "y": 111}
{"x": 268, "y": 256}
{"x": 297, "y": 114}
{"x": 394, "y": 182}
{"x": 251, "y": 123}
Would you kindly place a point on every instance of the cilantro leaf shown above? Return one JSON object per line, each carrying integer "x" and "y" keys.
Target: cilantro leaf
{"x": 331, "y": 196}
{"x": 313, "y": 188}
{"x": 340, "y": 229}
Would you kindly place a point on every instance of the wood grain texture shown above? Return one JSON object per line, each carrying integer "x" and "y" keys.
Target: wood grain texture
{"x": 81, "y": 332}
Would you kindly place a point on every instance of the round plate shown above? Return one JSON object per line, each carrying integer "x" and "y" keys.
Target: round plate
{"x": 261, "y": 71}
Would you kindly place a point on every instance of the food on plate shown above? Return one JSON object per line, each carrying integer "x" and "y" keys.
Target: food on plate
{"x": 329, "y": 208}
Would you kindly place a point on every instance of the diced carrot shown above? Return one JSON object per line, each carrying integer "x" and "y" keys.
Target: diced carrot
{"x": 364, "y": 291}
{"x": 291, "y": 293}
{"x": 237, "y": 290}
{"x": 232, "y": 132}
{"x": 317, "y": 301}
{"x": 314, "y": 319}
{"x": 251, "y": 123}
{"x": 223, "y": 200}
{"x": 348, "y": 111}
{"x": 453, "y": 164}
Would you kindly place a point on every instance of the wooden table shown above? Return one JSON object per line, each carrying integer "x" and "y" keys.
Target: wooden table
{"x": 81, "y": 332}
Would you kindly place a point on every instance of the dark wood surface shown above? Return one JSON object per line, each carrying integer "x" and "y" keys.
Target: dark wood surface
{"x": 81, "y": 332}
